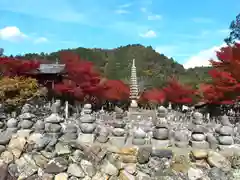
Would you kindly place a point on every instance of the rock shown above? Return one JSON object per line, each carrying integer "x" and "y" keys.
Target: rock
{"x": 26, "y": 116}
{"x": 199, "y": 154}
{"x": 3, "y": 172}
{"x": 54, "y": 128}
{"x": 57, "y": 165}
{"x": 131, "y": 168}
{"x": 26, "y": 124}
{"x": 75, "y": 170}
{"x": 40, "y": 160}
{"x": 118, "y": 132}
{"x": 128, "y": 151}
{"x": 195, "y": 174}
{"x": 61, "y": 176}
{"x": 5, "y": 138}
{"x": 128, "y": 159}
{"x": 2, "y": 148}
{"x": 160, "y": 133}
{"x": 217, "y": 160}
{"x": 62, "y": 148}
{"x": 109, "y": 168}
{"x": 198, "y": 137}
{"x": 226, "y": 130}
{"x": 143, "y": 155}
{"x": 53, "y": 118}
{"x": 217, "y": 174}
{"x": 7, "y": 157}
{"x": 139, "y": 133}
{"x": 12, "y": 123}
{"x": 26, "y": 166}
{"x": 88, "y": 168}
{"x": 226, "y": 140}
{"x": 13, "y": 170}
{"x": 142, "y": 176}
{"x": 16, "y": 146}
{"x": 124, "y": 175}
{"x": 162, "y": 153}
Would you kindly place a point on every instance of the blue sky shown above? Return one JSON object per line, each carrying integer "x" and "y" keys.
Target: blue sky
{"x": 187, "y": 30}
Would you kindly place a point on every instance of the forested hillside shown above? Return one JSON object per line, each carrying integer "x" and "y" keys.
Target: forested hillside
{"x": 153, "y": 68}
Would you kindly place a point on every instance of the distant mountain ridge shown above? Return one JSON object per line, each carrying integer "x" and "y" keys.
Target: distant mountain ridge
{"x": 153, "y": 68}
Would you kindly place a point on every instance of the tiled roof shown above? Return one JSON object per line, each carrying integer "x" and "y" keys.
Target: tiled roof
{"x": 51, "y": 68}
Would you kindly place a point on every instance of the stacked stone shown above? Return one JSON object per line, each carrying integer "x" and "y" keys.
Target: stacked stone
{"x": 53, "y": 127}
{"x": 70, "y": 133}
{"x": 161, "y": 130}
{"x": 139, "y": 136}
{"x": 118, "y": 133}
{"x": 87, "y": 125}
{"x": 198, "y": 136}
{"x": 27, "y": 120}
{"x": 225, "y": 137}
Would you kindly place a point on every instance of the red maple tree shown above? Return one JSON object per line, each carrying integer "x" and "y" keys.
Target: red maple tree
{"x": 85, "y": 83}
{"x": 153, "y": 96}
{"x": 178, "y": 93}
{"x": 16, "y": 67}
{"x": 225, "y": 86}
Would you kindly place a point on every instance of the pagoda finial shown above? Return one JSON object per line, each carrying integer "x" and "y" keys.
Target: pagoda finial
{"x": 57, "y": 61}
{"x": 133, "y": 63}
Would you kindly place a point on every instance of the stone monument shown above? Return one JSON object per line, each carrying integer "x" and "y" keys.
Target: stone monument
{"x": 133, "y": 87}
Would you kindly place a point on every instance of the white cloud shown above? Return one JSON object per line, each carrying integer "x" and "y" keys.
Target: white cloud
{"x": 125, "y": 5}
{"x": 154, "y": 17}
{"x": 202, "y": 58}
{"x": 12, "y": 33}
{"x": 41, "y": 40}
{"x": 149, "y": 34}
{"x": 144, "y": 10}
{"x": 121, "y": 11}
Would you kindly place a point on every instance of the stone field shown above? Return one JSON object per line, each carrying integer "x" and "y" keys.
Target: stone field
{"x": 39, "y": 144}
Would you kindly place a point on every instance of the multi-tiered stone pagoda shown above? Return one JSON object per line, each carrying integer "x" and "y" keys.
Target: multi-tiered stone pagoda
{"x": 134, "y": 86}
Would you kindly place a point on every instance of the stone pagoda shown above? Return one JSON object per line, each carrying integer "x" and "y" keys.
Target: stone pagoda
{"x": 133, "y": 87}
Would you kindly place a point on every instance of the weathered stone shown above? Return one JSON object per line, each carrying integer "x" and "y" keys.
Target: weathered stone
{"x": 160, "y": 133}
{"x": 75, "y": 170}
{"x": 62, "y": 148}
{"x": 109, "y": 168}
{"x": 7, "y": 157}
{"x": 16, "y": 145}
{"x": 57, "y": 165}
{"x": 217, "y": 160}
{"x": 88, "y": 127}
{"x": 88, "y": 168}
{"x": 143, "y": 155}
{"x": 195, "y": 174}
{"x": 199, "y": 154}
{"x": 61, "y": 176}
{"x": 162, "y": 153}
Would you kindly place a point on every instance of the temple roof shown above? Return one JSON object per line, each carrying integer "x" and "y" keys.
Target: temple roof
{"x": 51, "y": 68}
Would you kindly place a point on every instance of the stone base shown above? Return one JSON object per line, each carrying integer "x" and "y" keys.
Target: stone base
{"x": 160, "y": 143}
{"x": 86, "y": 138}
{"x": 181, "y": 144}
{"x": 102, "y": 139}
{"x": 199, "y": 144}
{"x": 117, "y": 141}
{"x": 225, "y": 147}
{"x": 138, "y": 141}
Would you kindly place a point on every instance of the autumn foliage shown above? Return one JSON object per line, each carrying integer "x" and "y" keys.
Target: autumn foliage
{"x": 15, "y": 67}
{"x": 225, "y": 86}
{"x": 83, "y": 82}
{"x": 15, "y": 91}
